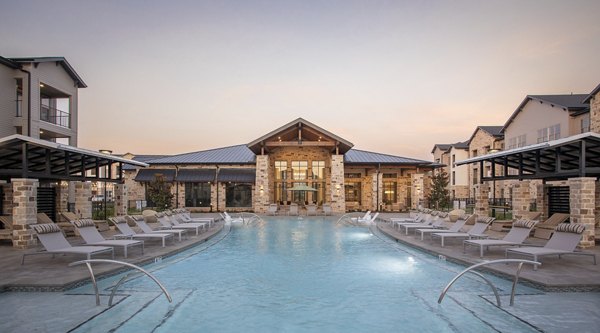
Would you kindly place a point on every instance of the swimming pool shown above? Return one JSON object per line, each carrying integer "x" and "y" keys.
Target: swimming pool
{"x": 305, "y": 275}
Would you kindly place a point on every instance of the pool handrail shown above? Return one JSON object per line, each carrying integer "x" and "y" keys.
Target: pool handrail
{"x": 498, "y": 261}
{"x": 88, "y": 263}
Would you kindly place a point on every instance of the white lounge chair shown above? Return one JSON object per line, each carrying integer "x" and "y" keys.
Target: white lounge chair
{"x": 126, "y": 231}
{"x": 436, "y": 223}
{"x": 327, "y": 210}
{"x": 184, "y": 218}
{"x": 564, "y": 241}
{"x": 293, "y": 209}
{"x": 170, "y": 224}
{"x": 476, "y": 231}
{"x": 272, "y": 210}
{"x": 367, "y": 216}
{"x": 89, "y": 233}
{"x": 54, "y": 242}
{"x": 423, "y": 220}
{"x": 311, "y": 209}
{"x": 139, "y": 221}
{"x": 516, "y": 236}
{"x": 455, "y": 227}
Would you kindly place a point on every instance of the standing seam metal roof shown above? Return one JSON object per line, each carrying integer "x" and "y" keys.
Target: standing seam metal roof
{"x": 355, "y": 156}
{"x": 239, "y": 154}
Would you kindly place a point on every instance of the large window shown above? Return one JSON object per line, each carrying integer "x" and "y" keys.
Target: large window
{"x": 281, "y": 176}
{"x": 197, "y": 194}
{"x": 299, "y": 170}
{"x": 280, "y": 170}
{"x": 585, "y": 123}
{"x": 389, "y": 193}
{"x": 299, "y": 196}
{"x": 238, "y": 195}
{"x": 352, "y": 191}
{"x": 318, "y": 169}
{"x": 549, "y": 133}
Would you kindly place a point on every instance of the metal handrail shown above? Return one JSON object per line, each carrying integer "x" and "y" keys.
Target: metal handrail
{"x": 112, "y": 294}
{"x": 498, "y": 261}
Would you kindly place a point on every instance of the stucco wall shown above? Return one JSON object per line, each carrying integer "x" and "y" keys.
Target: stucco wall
{"x": 535, "y": 116}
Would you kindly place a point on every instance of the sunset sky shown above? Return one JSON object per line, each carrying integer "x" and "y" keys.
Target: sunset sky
{"x": 394, "y": 77}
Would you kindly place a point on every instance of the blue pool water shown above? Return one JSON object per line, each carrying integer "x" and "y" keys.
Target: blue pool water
{"x": 306, "y": 275}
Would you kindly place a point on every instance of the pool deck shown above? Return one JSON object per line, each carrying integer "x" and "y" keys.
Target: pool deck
{"x": 44, "y": 273}
{"x": 571, "y": 273}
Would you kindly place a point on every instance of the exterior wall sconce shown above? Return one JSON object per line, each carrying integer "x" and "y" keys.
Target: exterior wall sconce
{"x": 261, "y": 190}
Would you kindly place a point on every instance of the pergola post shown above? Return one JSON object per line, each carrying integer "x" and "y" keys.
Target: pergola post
{"x": 24, "y": 211}
{"x": 582, "y": 200}
{"x": 83, "y": 199}
{"x": 121, "y": 199}
{"x": 482, "y": 204}
{"x": 521, "y": 198}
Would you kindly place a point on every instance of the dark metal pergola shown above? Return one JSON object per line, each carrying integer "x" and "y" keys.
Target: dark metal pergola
{"x": 26, "y": 157}
{"x": 574, "y": 156}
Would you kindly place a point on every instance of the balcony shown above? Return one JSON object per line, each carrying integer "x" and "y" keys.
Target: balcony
{"x": 55, "y": 116}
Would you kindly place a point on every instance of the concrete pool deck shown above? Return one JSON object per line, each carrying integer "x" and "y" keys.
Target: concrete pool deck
{"x": 44, "y": 273}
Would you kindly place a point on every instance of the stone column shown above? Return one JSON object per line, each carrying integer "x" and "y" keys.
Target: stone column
{"x": 180, "y": 195}
{"x": 482, "y": 204}
{"x": 7, "y": 201}
{"x": 427, "y": 185}
{"x": 121, "y": 201}
{"x": 83, "y": 199}
{"x": 338, "y": 196}
{"x": 595, "y": 113}
{"x": 521, "y": 198}
{"x": 417, "y": 191}
{"x": 213, "y": 196}
{"x": 262, "y": 195}
{"x": 222, "y": 189}
{"x": 541, "y": 201}
{"x": 62, "y": 200}
{"x": 24, "y": 211}
{"x": 582, "y": 198}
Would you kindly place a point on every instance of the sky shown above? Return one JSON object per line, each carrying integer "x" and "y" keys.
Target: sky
{"x": 395, "y": 77}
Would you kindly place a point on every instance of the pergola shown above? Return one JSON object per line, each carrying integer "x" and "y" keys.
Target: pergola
{"x": 26, "y": 157}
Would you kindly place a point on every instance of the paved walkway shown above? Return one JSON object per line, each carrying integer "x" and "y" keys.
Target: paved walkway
{"x": 571, "y": 273}
{"x": 44, "y": 273}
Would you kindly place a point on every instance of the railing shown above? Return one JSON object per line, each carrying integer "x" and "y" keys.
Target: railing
{"x": 470, "y": 270}
{"x": 116, "y": 287}
{"x": 55, "y": 116}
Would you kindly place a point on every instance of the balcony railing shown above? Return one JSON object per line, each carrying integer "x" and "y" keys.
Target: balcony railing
{"x": 55, "y": 116}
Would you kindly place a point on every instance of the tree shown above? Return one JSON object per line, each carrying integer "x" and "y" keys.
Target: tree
{"x": 439, "y": 196}
{"x": 159, "y": 192}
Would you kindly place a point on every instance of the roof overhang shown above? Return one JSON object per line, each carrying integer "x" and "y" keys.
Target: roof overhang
{"x": 574, "y": 156}
{"x": 25, "y": 157}
{"x": 300, "y": 133}
{"x": 59, "y": 60}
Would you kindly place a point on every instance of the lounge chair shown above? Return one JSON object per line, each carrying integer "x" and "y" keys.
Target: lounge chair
{"x": 227, "y": 218}
{"x": 169, "y": 224}
{"x": 564, "y": 240}
{"x": 89, "y": 233}
{"x": 272, "y": 210}
{"x": 364, "y": 217}
{"x": 54, "y": 242}
{"x": 455, "y": 227}
{"x": 126, "y": 231}
{"x": 545, "y": 229}
{"x": 185, "y": 218}
{"x": 476, "y": 231}
{"x": 293, "y": 209}
{"x": 311, "y": 209}
{"x": 424, "y": 219}
{"x": 370, "y": 219}
{"x": 6, "y": 231}
{"x": 327, "y": 209}
{"x": 436, "y": 223}
{"x": 516, "y": 236}
{"x": 429, "y": 220}
{"x": 146, "y": 229}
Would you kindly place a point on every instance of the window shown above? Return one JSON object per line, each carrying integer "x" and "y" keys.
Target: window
{"x": 19, "y": 99}
{"x": 453, "y": 159}
{"x": 299, "y": 170}
{"x": 512, "y": 143}
{"x": 521, "y": 141}
{"x": 585, "y": 123}
{"x": 238, "y": 195}
{"x": 197, "y": 194}
{"x": 318, "y": 170}
{"x": 474, "y": 153}
{"x": 390, "y": 175}
{"x": 389, "y": 193}
{"x": 453, "y": 177}
{"x": 352, "y": 191}
{"x": 280, "y": 169}
{"x": 352, "y": 175}
{"x": 299, "y": 196}
{"x": 548, "y": 133}
{"x": 475, "y": 173}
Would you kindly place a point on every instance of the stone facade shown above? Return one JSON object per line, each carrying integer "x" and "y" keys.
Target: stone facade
{"x": 595, "y": 113}
{"x": 7, "y": 200}
{"x": 541, "y": 201}
{"x": 482, "y": 205}
{"x": 62, "y": 199}
{"x": 521, "y": 198}
{"x": 481, "y": 143}
{"x": 582, "y": 199}
{"x": 338, "y": 195}
{"x": 83, "y": 199}
{"x": 120, "y": 199}
{"x": 24, "y": 211}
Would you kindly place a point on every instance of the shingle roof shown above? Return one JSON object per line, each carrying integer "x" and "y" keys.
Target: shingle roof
{"x": 239, "y": 154}
{"x": 462, "y": 145}
{"x": 355, "y": 156}
{"x": 594, "y": 92}
{"x": 493, "y": 130}
{"x": 61, "y": 60}
{"x": 441, "y": 146}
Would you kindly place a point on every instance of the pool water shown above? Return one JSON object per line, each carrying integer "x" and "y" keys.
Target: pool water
{"x": 305, "y": 275}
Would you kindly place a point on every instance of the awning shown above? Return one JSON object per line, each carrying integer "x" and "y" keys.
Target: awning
{"x": 237, "y": 175}
{"x": 148, "y": 175}
{"x": 574, "y": 156}
{"x": 25, "y": 157}
{"x": 196, "y": 175}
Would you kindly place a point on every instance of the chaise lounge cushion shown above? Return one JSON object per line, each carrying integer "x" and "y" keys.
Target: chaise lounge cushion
{"x": 46, "y": 228}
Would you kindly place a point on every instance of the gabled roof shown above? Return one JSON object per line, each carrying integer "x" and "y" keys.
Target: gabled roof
{"x": 355, "y": 156}
{"x": 570, "y": 102}
{"x": 344, "y": 145}
{"x": 8, "y": 63}
{"x": 461, "y": 145}
{"x": 239, "y": 154}
{"x": 594, "y": 92}
{"x": 447, "y": 146}
{"x": 495, "y": 131}
{"x": 61, "y": 60}
{"x": 441, "y": 146}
